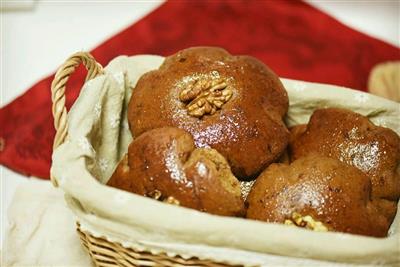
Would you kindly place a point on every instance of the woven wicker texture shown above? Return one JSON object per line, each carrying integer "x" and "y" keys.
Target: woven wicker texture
{"x": 58, "y": 92}
{"x": 102, "y": 252}
{"x": 106, "y": 254}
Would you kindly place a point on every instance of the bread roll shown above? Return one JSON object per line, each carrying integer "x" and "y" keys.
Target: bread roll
{"x": 164, "y": 164}
{"x": 318, "y": 193}
{"x": 234, "y": 104}
{"x": 354, "y": 140}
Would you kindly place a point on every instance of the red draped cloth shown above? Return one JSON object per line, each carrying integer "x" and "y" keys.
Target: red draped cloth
{"x": 296, "y": 40}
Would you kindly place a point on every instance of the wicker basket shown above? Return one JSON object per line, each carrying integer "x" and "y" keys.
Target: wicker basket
{"x": 102, "y": 252}
{"x": 106, "y": 252}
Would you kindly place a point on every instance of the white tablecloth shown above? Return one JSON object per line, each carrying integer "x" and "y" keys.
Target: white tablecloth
{"x": 41, "y": 229}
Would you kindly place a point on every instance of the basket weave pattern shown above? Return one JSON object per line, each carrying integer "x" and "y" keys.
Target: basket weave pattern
{"x": 102, "y": 252}
{"x": 107, "y": 254}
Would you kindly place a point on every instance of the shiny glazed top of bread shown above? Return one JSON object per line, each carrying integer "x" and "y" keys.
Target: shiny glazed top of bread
{"x": 234, "y": 104}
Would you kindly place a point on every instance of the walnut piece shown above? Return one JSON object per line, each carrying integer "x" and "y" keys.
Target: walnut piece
{"x": 172, "y": 200}
{"x": 306, "y": 222}
{"x": 205, "y": 96}
{"x": 157, "y": 195}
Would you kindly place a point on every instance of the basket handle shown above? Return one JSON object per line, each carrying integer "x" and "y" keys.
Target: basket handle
{"x": 58, "y": 93}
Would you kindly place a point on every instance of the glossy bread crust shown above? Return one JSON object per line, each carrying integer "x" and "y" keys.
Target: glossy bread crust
{"x": 334, "y": 193}
{"x": 354, "y": 140}
{"x": 244, "y": 119}
{"x": 164, "y": 164}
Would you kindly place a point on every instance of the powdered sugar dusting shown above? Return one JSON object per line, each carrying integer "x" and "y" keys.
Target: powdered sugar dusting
{"x": 364, "y": 156}
{"x": 202, "y": 169}
{"x": 172, "y": 163}
{"x": 245, "y": 188}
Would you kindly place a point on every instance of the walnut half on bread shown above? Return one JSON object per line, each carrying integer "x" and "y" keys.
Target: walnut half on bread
{"x": 233, "y": 104}
{"x": 165, "y": 165}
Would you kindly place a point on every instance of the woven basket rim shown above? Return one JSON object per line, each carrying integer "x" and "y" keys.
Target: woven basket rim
{"x": 77, "y": 193}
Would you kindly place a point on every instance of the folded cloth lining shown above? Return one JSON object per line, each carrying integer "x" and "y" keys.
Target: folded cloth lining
{"x": 129, "y": 218}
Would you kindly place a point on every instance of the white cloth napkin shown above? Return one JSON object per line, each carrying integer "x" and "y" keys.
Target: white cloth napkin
{"x": 41, "y": 229}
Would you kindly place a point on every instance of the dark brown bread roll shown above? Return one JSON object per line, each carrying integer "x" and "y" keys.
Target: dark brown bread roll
{"x": 164, "y": 164}
{"x": 319, "y": 193}
{"x": 234, "y": 104}
{"x": 353, "y": 139}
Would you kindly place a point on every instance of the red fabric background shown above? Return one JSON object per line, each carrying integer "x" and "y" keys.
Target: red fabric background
{"x": 293, "y": 38}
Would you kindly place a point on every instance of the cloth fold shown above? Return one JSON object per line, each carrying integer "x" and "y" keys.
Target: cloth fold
{"x": 295, "y": 39}
{"x": 41, "y": 229}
